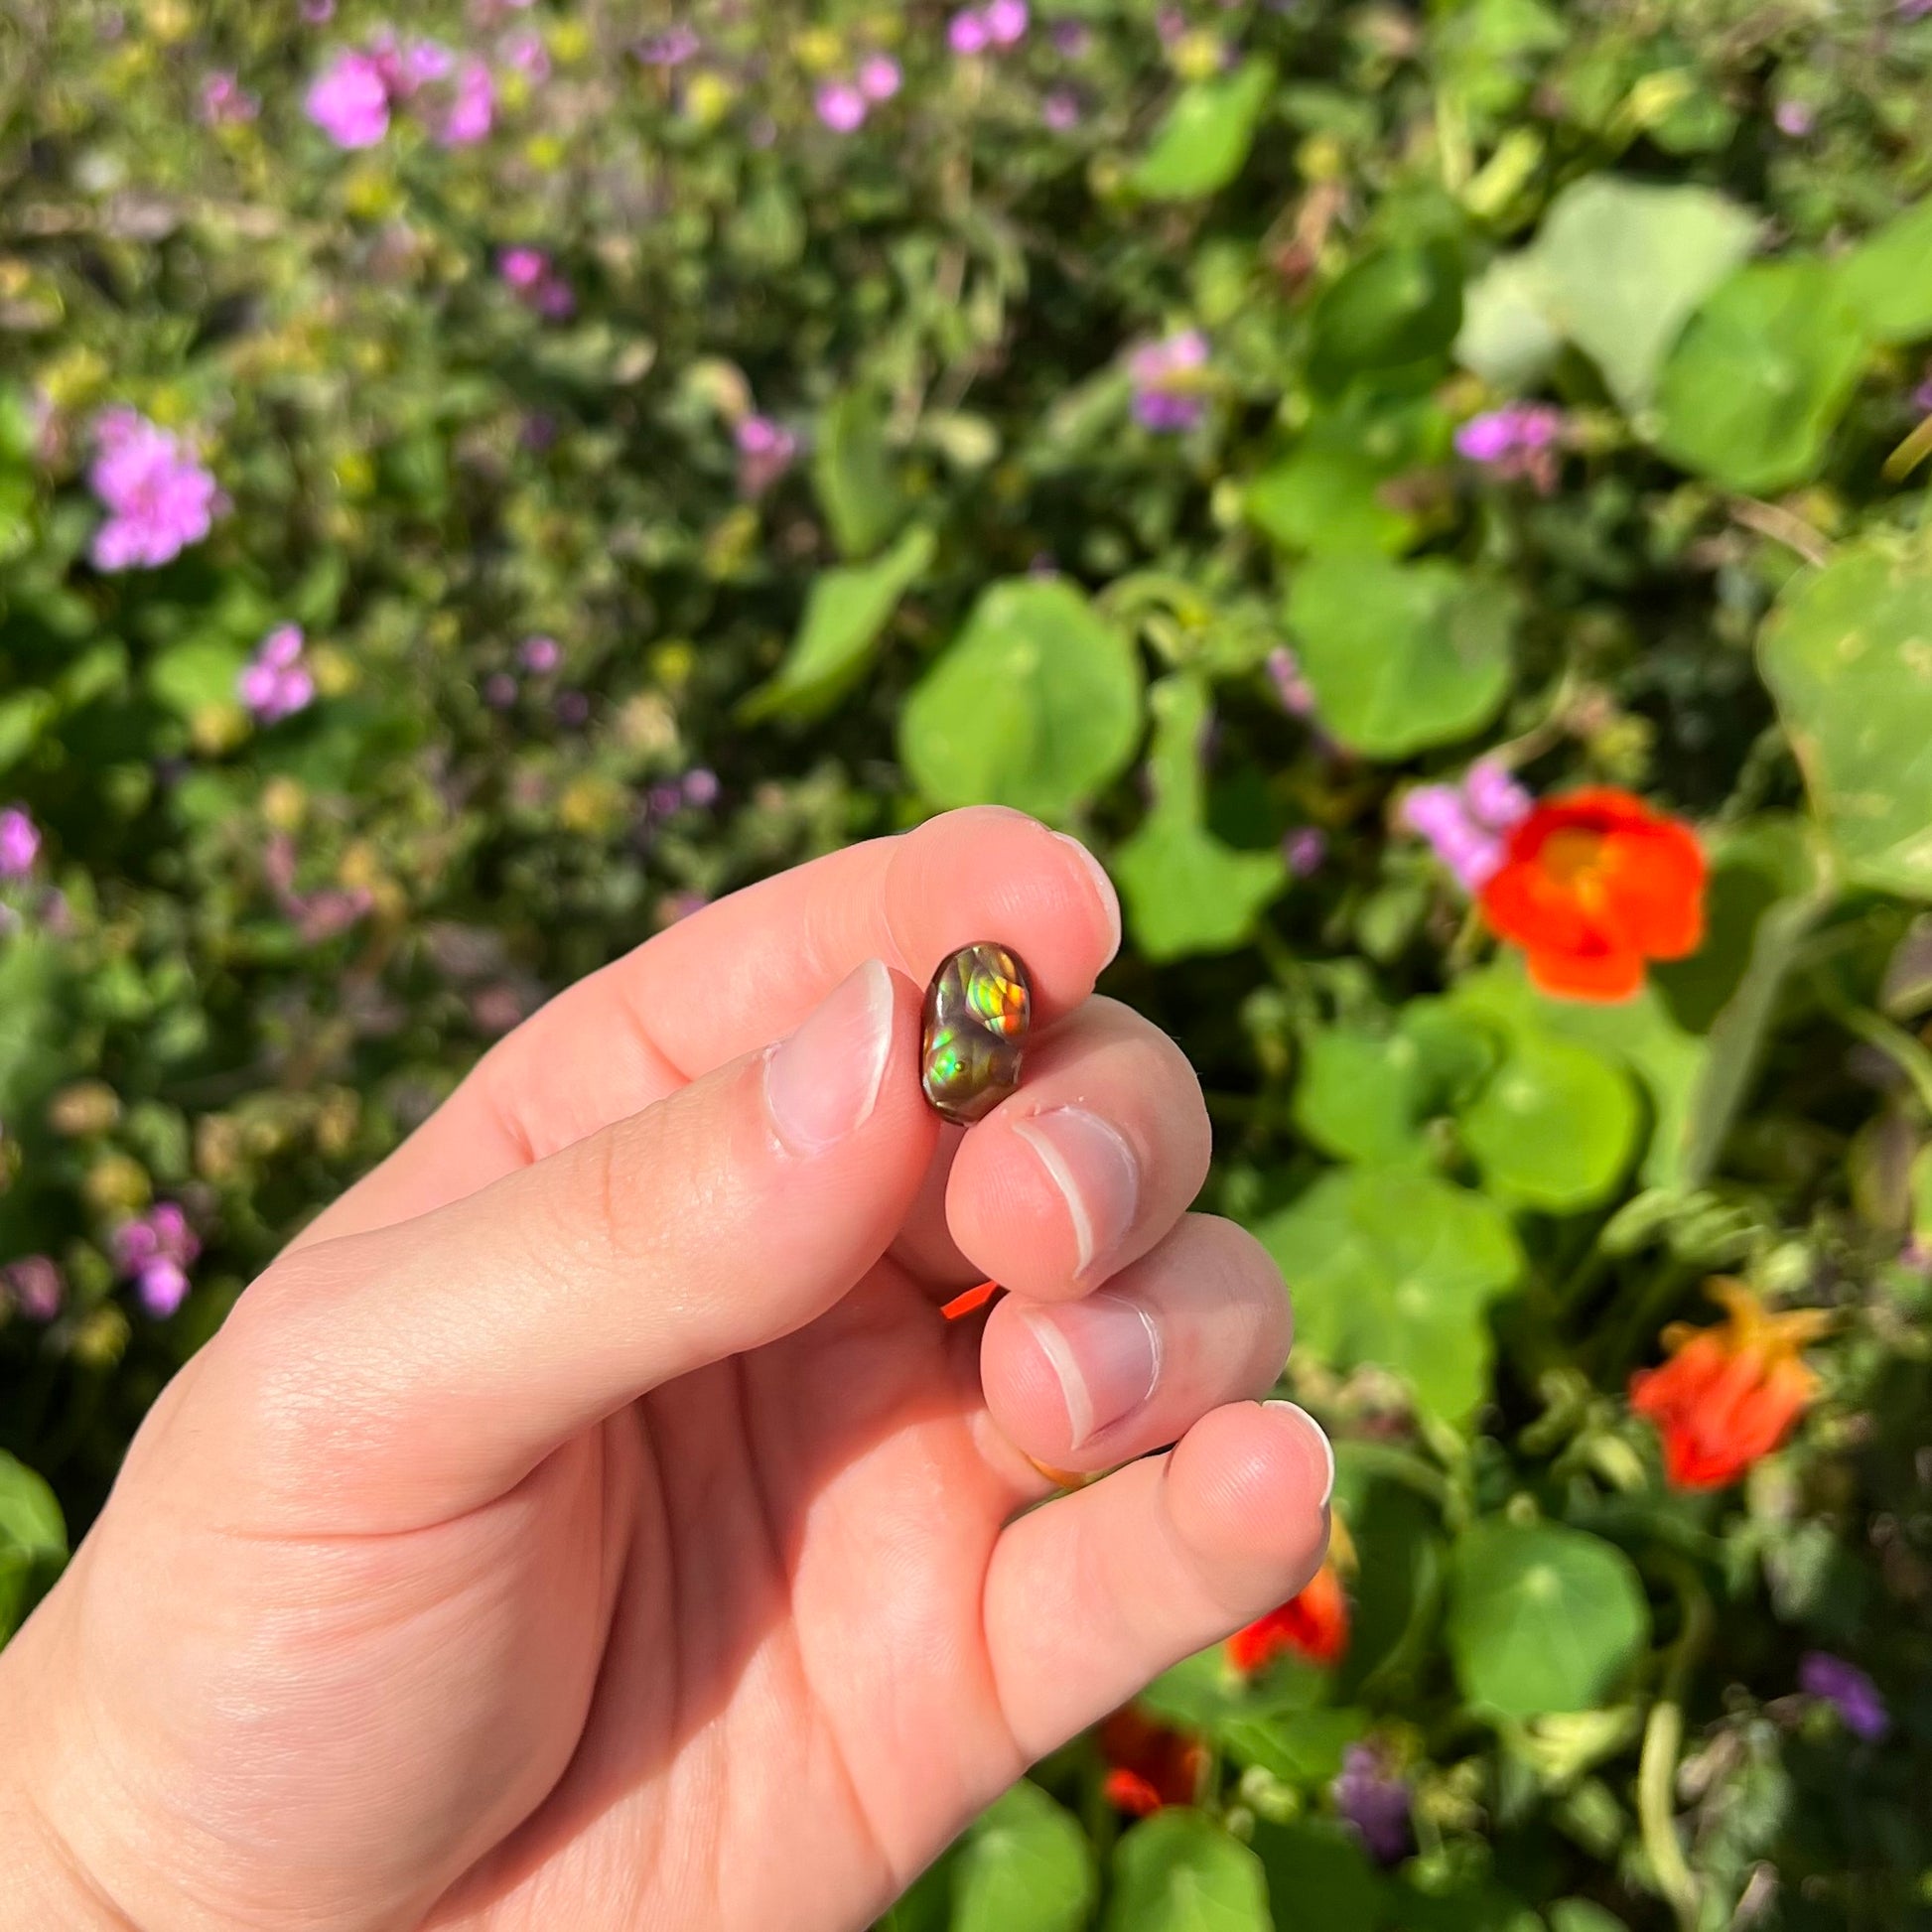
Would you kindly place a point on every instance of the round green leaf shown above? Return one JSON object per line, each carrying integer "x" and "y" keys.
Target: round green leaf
{"x": 1397, "y": 1269}
{"x": 1359, "y": 1097}
{"x": 1202, "y": 143}
{"x": 1888, "y": 278}
{"x": 1759, "y": 378}
{"x": 1402, "y": 656}
{"x": 1555, "y": 1126}
{"x": 1319, "y": 1875}
{"x": 1394, "y": 307}
{"x": 1182, "y": 1872}
{"x": 1542, "y": 1618}
{"x": 853, "y": 473}
{"x": 1035, "y": 704}
{"x": 1026, "y": 1868}
{"x": 1848, "y": 654}
{"x": 1330, "y": 500}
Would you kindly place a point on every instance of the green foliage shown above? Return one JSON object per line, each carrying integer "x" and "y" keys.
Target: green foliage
{"x": 1206, "y": 136}
{"x": 1026, "y": 1868}
{"x": 1554, "y": 1127}
{"x": 33, "y": 1541}
{"x": 1179, "y": 1873}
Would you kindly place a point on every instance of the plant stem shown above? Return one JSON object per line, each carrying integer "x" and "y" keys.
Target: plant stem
{"x": 1663, "y": 1736}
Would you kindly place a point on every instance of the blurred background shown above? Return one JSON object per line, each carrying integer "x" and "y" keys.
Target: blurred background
{"x": 1433, "y": 494}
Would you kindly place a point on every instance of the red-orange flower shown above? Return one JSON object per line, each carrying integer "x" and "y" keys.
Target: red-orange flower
{"x": 1313, "y": 1625}
{"x": 1592, "y": 886}
{"x": 1150, "y": 1764}
{"x": 1730, "y": 1394}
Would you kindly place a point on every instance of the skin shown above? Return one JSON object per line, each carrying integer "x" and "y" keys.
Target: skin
{"x": 592, "y": 1521}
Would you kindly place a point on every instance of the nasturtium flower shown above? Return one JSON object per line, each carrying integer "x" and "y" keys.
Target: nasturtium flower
{"x": 1149, "y": 1764}
{"x": 1731, "y": 1394}
{"x": 1592, "y": 886}
{"x": 158, "y": 499}
{"x": 1313, "y": 1624}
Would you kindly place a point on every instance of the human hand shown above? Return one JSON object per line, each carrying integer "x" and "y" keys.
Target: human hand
{"x": 592, "y": 1522}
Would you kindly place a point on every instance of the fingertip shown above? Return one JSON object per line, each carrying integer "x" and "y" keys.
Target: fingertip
{"x": 1248, "y": 1489}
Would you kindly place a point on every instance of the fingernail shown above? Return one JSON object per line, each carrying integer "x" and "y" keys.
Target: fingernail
{"x": 1106, "y": 1352}
{"x": 1102, "y": 886}
{"x": 1095, "y": 1172}
{"x": 822, "y": 1081}
{"x": 1322, "y": 1450}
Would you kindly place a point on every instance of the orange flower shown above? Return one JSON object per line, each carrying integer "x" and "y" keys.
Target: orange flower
{"x": 1730, "y": 1394}
{"x": 1313, "y": 1625}
{"x": 1592, "y": 886}
{"x": 1150, "y": 1764}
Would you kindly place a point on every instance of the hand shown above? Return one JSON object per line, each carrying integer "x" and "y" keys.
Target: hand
{"x": 592, "y": 1522}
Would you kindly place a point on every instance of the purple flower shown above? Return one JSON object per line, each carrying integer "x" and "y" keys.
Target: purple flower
{"x": 1005, "y": 21}
{"x": 966, "y": 32}
{"x": 841, "y": 106}
{"x": 156, "y": 1252}
{"x": 1821, "y": 1675}
{"x": 159, "y": 499}
{"x": 350, "y": 102}
{"x": 526, "y": 52}
{"x": 224, "y": 99}
{"x": 700, "y": 787}
{"x": 671, "y": 49}
{"x": 1795, "y": 118}
{"x": 1060, "y": 110}
{"x": 573, "y": 710}
{"x": 1169, "y": 383}
{"x": 523, "y": 268}
{"x": 276, "y": 684}
{"x": 765, "y": 453}
{"x": 1519, "y": 440}
{"x": 1305, "y": 849}
{"x": 318, "y": 13}
{"x": 1914, "y": 9}
{"x": 1072, "y": 38}
{"x": 1466, "y": 823}
{"x": 32, "y": 1283}
{"x": 880, "y": 77}
{"x": 1291, "y": 687}
{"x": 1373, "y": 1800}
{"x": 1922, "y": 395}
{"x": 665, "y": 797}
{"x": 540, "y": 654}
{"x": 473, "y": 111}
{"x": 20, "y": 843}
{"x": 1493, "y": 796}
{"x": 499, "y": 690}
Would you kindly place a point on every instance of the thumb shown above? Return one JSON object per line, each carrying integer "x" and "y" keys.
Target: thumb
{"x": 425, "y": 1369}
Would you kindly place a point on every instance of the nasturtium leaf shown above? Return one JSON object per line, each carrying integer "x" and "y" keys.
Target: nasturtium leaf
{"x": 197, "y": 676}
{"x": 1204, "y": 139}
{"x": 1319, "y": 1877}
{"x": 1402, "y": 656}
{"x": 1554, "y": 1127}
{"x": 1184, "y": 891}
{"x": 33, "y": 1540}
{"x": 1396, "y": 1591}
{"x": 1398, "y": 1269}
{"x": 1035, "y": 704}
{"x": 1848, "y": 654}
{"x": 1179, "y": 1871}
{"x": 1507, "y": 336}
{"x": 1027, "y": 1867}
{"x": 1302, "y": 1747}
{"x": 1542, "y": 1617}
{"x": 1626, "y": 264}
{"x": 1329, "y": 501}
{"x": 853, "y": 473}
{"x": 1887, "y": 278}
{"x": 1760, "y": 376}
{"x": 846, "y": 614}
{"x": 1394, "y": 307}
{"x": 1359, "y": 1095}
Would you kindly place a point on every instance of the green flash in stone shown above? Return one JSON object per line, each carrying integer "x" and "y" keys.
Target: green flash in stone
{"x": 978, "y": 1011}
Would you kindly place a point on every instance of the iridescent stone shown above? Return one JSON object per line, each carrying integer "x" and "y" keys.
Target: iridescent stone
{"x": 977, "y": 1013}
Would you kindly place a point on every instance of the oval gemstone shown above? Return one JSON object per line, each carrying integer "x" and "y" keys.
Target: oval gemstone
{"x": 978, "y": 1010}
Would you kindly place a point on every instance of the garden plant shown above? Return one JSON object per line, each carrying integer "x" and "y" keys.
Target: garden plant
{"x": 1432, "y": 495}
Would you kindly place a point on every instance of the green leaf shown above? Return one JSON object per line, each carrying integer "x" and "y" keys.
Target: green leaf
{"x": 1398, "y": 1269}
{"x": 1328, "y": 502}
{"x": 32, "y": 1033}
{"x": 1759, "y": 379}
{"x": 1026, "y": 1868}
{"x": 846, "y": 614}
{"x": 851, "y": 472}
{"x": 1583, "y": 1915}
{"x": 1402, "y": 656}
{"x": 1625, "y": 264}
{"x": 1319, "y": 1877}
{"x": 1035, "y": 704}
{"x": 1508, "y": 336}
{"x": 1887, "y": 278}
{"x": 1555, "y": 1126}
{"x": 1302, "y": 1747}
{"x": 1392, "y": 309}
{"x": 22, "y": 717}
{"x": 1542, "y": 1617}
{"x": 1182, "y": 1872}
{"x": 1184, "y": 891}
{"x": 1203, "y": 140}
{"x": 193, "y": 677}
{"x": 1848, "y": 654}
{"x": 33, "y": 1540}
{"x": 1359, "y": 1096}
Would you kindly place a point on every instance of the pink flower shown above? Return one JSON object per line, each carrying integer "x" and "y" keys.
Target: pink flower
{"x": 523, "y": 268}
{"x": 20, "y": 843}
{"x": 1795, "y": 118}
{"x": 472, "y": 112}
{"x": 1291, "y": 687}
{"x": 1005, "y": 21}
{"x": 1468, "y": 823}
{"x": 159, "y": 499}
{"x": 841, "y": 106}
{"x": 1060, "y": 110}
{"x": 1168, "y": 381}
{"x": 1519, "y": 440}
{"x": 540, "y": 654}
{"x": 765, "y": 453}
{"x": 34, "y": 1285}
{"x": 350, "y": 102}
{"x": 967, "y": 31}
{"x": 880, "y": 77}
{"x": 224, "y": 100}
{"x": 526, "y": 52}
{"x": 318, "y": 13}
{"x": 157, "y": 1251}
{"x": 671, "y": 49}
{"x": 276, "y": 684}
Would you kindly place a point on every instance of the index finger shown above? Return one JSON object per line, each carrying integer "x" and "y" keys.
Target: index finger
{"x": 743, "y": 972}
